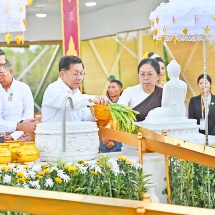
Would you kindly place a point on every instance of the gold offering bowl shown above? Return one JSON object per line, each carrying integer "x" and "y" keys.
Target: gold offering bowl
{"x": 102, "y": 113}
{"x": 5, "y": 154}
{"x": 13, "y": 147}
{"x": 27, "y": 152}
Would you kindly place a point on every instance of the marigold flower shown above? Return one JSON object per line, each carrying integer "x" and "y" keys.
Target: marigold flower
{"x": 44, "y": 165}
{"x": 58, "y": 180}
{"x": 81, "y": 161}
{"x": 72, "y": 168}
{"x": 121, "y": 158}
{"x": 129, "y": 163}
{"x": 19, "y": 174}
{"x": 93, "y": 173}
{"x": 48, "y": 170}
{"x": 27, "y": 179}
{"x": 41, "y": 173}
{"x": 6, "y": 168}
{"x": 21, "y": 180}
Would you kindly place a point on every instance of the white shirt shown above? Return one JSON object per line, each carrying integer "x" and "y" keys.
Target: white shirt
{"x": 20, "y": 101}
{"x": 53, "y": 99}
{"x": 5, "y": 126}
{"x": 132, "y": 96}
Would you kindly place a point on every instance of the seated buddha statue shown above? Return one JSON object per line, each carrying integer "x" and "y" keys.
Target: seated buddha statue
{"x": 173, "y": 97}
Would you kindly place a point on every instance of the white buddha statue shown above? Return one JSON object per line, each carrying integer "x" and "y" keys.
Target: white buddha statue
{"x": 173, "y": 96}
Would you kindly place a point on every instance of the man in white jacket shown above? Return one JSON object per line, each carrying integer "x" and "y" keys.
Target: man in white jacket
{"x": 71, "y": 74}
{"x": 19, "y": 99}
{"x": 7, "y": 123}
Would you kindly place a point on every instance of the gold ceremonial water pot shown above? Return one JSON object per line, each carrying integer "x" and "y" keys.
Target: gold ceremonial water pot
{"x": 5, "y": 154}
{"x": 13, "y": 147}
{"x": 102, "y": 114}
{"x": 27, "y": 152}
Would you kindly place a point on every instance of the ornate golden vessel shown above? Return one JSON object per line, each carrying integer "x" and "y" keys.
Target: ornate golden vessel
{"x": 27, "y": 152}
{"x": 102, "y": 113}
{"x": 13, "y": 147}
{"x": 5, "y": 154}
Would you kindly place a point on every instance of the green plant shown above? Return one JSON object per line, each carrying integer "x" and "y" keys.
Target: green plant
{"x": 192, "y": 184}
{"x": 123, "y": 117}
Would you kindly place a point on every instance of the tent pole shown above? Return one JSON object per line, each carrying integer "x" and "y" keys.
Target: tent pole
{"x": 205, "y": 90}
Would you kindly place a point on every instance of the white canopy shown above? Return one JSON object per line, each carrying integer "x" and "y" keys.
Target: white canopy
{"x": 186, "y": 20}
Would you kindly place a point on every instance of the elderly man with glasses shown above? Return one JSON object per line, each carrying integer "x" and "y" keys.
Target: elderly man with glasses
{"x": 19, "y": 99}
{"x": 7, "y": 122}
{"x": 71, "y": 74}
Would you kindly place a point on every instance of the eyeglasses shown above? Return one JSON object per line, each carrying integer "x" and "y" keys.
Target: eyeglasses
{"x": 149, "y": 75}
{"x": 2, "y": 65}
{"x": 76, "y": 74}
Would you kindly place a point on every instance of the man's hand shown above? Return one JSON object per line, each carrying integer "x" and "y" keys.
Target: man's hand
{"x": 109, "y": 143}
{"x": 102, "y": 100}
{"x": 28, "y": 126}
{"x": 8, "y": 137}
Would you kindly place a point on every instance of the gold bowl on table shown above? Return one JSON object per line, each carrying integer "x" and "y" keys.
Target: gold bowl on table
{"x": 13, "y": 147}
{"x": 102, "y": 114}
{"x": 5, "y": 154}
{"x": 27, "y": 152}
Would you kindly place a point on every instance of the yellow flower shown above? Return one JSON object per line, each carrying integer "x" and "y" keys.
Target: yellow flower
{"x": 129, "y": 163}
{"x": 58, "y": 180}
{"x": 26, "y": 167}
{"x": 121, "y": 158}
{"x": 181, "y": 160}
{"x": 72, "y": 168}
{"x": 66, "y": 167}
{"x": 39, "y": 176}
{"x": 108, "y": 166}
{"x": 41, "y": 173}
{"x": 27, "y": 179}
{"x": 6, "y": 168}
{"x": 85, "y": 163}
{"x": 48, "y": 170}
{"x": 44, "y": 165}
{"x": 19, "y": 174}
{"x": 21, "y": 180}
{"x": 93, "y": 173}
{"x": 81, "y": 161}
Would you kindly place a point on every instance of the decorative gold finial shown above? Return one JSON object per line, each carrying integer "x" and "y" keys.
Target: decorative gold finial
{"x": 146, "y": 197}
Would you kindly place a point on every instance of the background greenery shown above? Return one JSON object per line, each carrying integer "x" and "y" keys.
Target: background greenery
{"x": 192, "y": 184}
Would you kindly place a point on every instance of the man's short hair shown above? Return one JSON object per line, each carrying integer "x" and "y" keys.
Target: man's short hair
{"x": 1, "y": 52}
{"x": 117, "y": 82}
{"x": 66, "y": 61}
{"x": 7, "y": 64}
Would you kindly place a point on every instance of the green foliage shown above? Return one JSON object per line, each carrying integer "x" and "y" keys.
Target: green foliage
{"x": 124, "y": 117}
{"x": 192, "y": 184}
{"x": 103, "y": 177}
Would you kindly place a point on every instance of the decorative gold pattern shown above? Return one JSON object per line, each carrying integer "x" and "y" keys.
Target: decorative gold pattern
{"x": 102, "y": 112}
{"x": 167, "y": 174}
{"x": 13, "y": 147}
{"x": 27, "y": 152}
{"x": 5, "y": 154}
